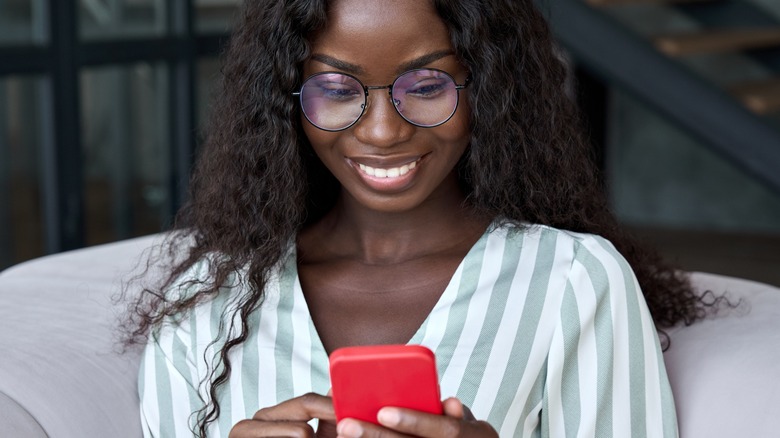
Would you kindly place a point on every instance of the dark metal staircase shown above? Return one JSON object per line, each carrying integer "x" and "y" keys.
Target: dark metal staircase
{"x": 670, "y": 68}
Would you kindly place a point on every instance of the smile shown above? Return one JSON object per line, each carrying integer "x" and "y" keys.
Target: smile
{"x": 390, "y": 172}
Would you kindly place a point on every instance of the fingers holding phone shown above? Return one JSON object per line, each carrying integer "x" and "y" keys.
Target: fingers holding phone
{"x": 378, "y": 391}
{"x": 289, "y": 418}
{"x": 457, "y": 421}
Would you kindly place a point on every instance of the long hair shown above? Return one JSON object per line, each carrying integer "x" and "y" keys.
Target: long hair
{"x": 257, "y": 181}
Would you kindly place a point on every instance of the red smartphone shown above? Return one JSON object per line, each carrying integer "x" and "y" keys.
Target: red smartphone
{"x": 368, "y": 378}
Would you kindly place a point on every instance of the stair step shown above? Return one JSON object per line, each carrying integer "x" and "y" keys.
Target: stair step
{"x": 761, "y": 97}
{"x": 717, "y": 41}
{"x": 630, "y": 2}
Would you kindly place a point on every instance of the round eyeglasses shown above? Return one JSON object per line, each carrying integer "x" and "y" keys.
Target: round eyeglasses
{"x": 424, "y": 97}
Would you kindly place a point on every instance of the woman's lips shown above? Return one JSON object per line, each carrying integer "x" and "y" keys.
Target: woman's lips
{"x": 386, "y": 176}
{"x": 391, "y": 172}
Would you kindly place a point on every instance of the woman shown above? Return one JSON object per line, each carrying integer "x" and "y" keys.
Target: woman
{"x": 403, "y": 172}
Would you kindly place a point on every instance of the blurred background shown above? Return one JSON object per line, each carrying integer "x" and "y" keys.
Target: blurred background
{"x": 101, "y": 103}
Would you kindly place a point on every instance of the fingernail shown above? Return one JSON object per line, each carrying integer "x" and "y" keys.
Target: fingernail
{"x": 389, "y": 417}
{"x": 349, "y": 428}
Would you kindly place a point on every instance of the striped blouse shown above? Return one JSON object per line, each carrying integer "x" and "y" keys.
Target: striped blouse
{"x": 541, "y": 332}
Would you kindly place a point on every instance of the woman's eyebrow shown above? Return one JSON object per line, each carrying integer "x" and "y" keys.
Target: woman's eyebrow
{"x": 424, "y": 60}
{"x": 355, "y": 69}
{"x": 338, "y": 64}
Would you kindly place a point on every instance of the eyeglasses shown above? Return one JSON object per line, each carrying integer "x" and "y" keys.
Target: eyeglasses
{"x": 424, "y": 97}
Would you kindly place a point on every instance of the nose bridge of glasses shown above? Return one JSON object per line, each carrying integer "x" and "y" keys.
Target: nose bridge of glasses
{"x": 389, "y": 89}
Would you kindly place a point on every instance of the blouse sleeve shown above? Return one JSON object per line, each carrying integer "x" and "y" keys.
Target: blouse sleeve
{"x": 606, "y": 375}
{"x": 168, "y": 386}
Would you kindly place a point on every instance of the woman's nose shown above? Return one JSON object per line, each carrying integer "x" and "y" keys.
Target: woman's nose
{"x": 381, "y": 125}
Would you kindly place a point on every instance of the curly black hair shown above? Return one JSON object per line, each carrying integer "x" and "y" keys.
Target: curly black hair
{"x": 257, "y": 181}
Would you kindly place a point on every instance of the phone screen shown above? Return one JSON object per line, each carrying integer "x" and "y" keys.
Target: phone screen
{"x": 367, "y": 378}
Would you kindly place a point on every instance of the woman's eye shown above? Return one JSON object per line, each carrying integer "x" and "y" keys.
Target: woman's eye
{"x": 427, "y": 89}
{"x": 338, "y": 92}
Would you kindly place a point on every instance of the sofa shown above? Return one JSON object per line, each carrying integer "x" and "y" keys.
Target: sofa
{"x": 63, "y": 375}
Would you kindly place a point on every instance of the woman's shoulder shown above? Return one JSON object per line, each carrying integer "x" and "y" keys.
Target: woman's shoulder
{"x": 567, "y": 252}
{"x": 517, "y": 232}
{"x": 203, "y": 272}
{"x": 196, "y": 276}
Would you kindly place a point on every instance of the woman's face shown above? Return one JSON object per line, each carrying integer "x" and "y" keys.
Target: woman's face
{"x": 383, "y": 162}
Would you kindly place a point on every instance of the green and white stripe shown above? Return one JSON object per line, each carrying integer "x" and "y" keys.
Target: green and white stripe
{"x": 542, "y": 332}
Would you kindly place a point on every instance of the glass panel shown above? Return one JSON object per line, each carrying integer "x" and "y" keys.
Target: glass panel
{"x": 215, "y": 15}
{"x": 21, "y": 227}
{"x": 21, "y": 21}
{"x": 126, "y": 153}
{"x": 105, "y": 19}
{"x": 662, "y": 177}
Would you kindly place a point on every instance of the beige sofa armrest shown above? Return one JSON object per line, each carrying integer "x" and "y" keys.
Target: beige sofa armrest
{"x": 61, "y": 373}
{"x": 725, "y": 370}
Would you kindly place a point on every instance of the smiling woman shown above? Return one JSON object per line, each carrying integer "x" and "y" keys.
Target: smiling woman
{"x": 403, "y": 172}
{"x": 380, "y": 139}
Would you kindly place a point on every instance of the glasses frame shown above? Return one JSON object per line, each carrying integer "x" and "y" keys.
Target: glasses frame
{"x": 389, "y": 88}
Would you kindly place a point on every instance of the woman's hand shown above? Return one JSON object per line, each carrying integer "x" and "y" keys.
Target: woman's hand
{"x": 290, "y": 419}
{"x": 457, "y": 421}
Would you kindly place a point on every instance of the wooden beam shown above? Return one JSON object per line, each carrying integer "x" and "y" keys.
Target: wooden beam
{"x": 631, "y": 2}
{"x": 761, "y": 97}
{"x": 717, "y": 41}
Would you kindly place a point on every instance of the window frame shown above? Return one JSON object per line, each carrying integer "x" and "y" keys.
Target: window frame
{"x": 59, "y": 59}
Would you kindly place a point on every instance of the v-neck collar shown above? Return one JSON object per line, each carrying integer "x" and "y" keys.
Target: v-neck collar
{"x": 442, "y": 304}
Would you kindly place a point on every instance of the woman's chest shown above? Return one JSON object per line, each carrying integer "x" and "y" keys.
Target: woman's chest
{"x": 355, "y": 304}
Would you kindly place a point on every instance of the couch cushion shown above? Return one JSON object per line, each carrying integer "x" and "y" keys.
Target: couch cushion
{"x": 16, "y": 421}
{"x": 725, "y": 370}
{"x": 59, "y": 359}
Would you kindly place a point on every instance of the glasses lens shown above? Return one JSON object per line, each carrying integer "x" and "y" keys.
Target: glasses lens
{"x": 425, "y": 97}
{"x": 332, "y": 101}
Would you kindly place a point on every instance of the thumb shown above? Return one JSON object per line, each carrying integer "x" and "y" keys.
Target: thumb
{"x": 453, "y": 408}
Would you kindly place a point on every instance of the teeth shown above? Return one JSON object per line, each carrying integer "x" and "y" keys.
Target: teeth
{"x": 392, "y": 172}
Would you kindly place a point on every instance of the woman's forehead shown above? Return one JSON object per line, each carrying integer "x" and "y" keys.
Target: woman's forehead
{"x": 370, "y": 31}
{"x": 383, "y": 18}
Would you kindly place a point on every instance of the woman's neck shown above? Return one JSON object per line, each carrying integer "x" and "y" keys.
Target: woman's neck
{"x": 349, "y": 230}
